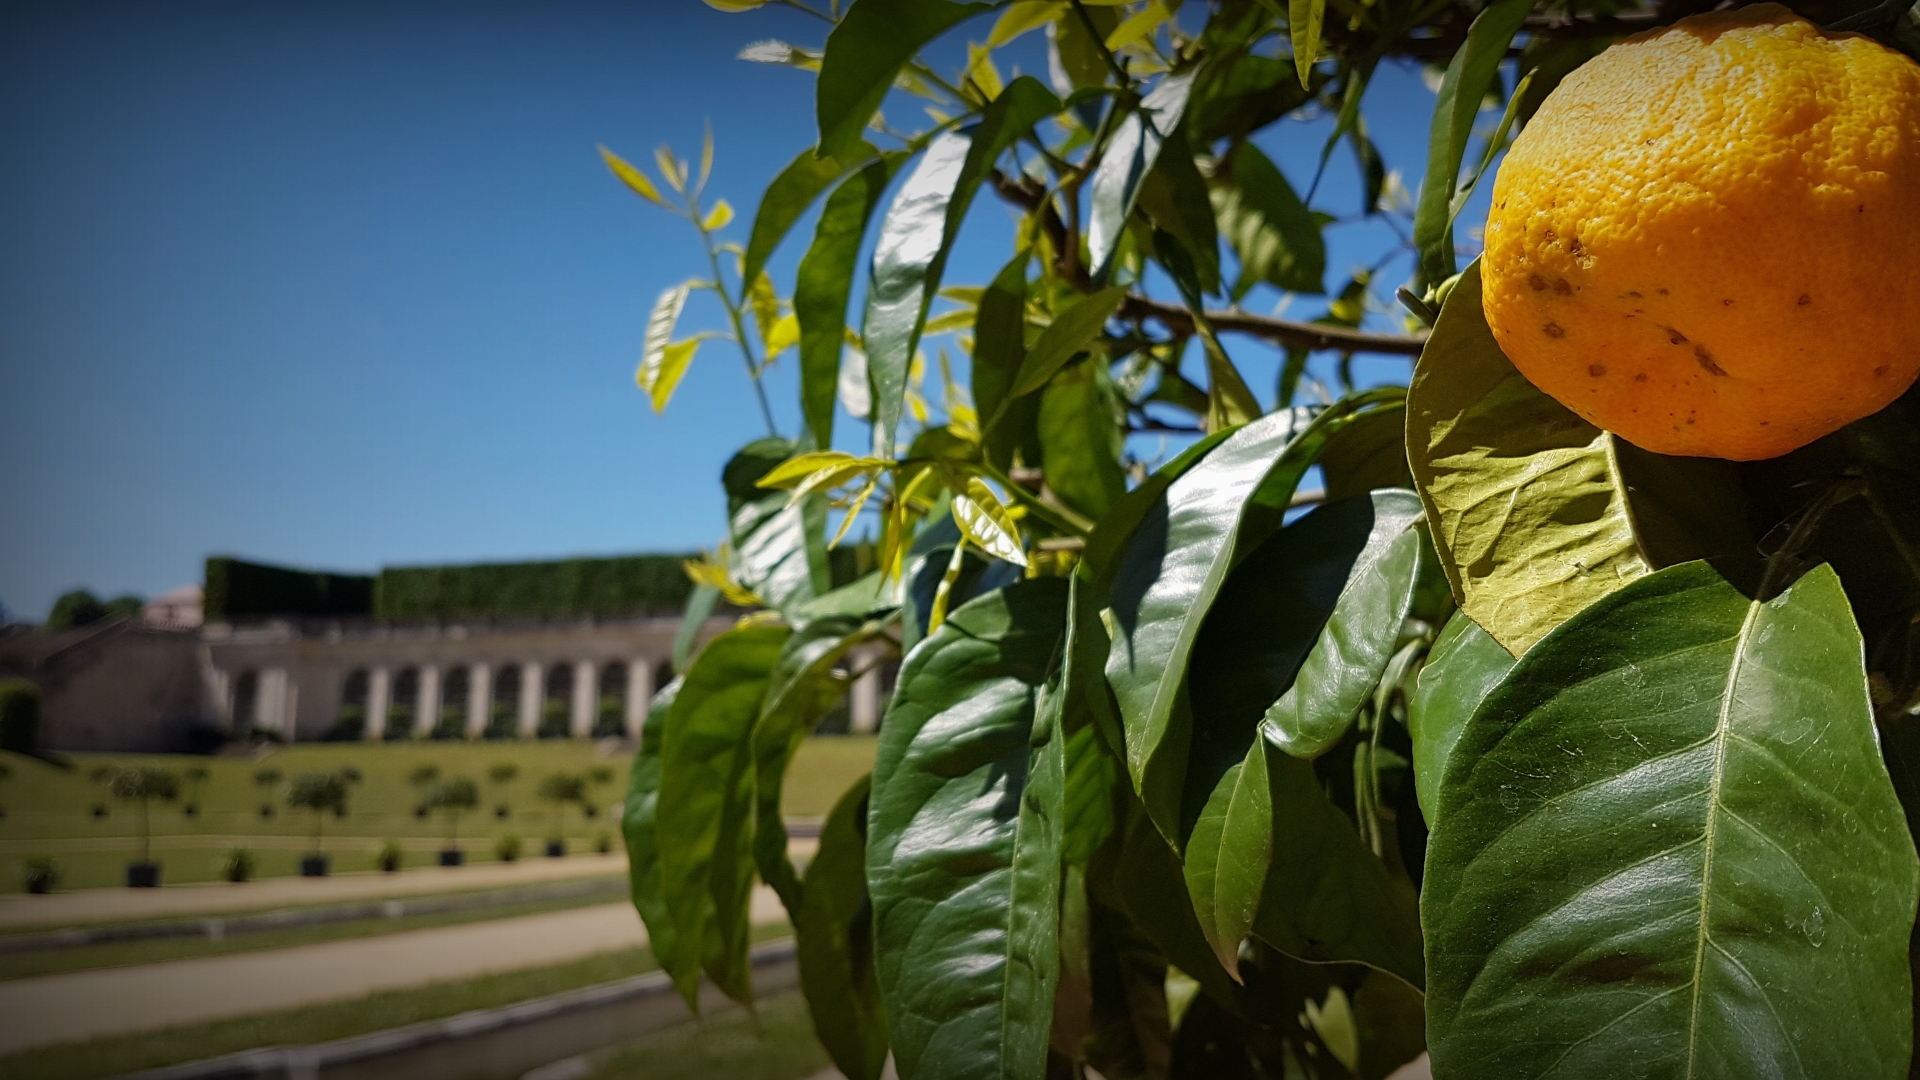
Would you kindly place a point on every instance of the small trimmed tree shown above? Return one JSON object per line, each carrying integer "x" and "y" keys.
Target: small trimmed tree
{"x": 143, "y": 784}
{"x": 563, "y": 790}
{"x": 450, "y": 798}
{"x": 502, "y": 774}
{"x": 320, "y": 793}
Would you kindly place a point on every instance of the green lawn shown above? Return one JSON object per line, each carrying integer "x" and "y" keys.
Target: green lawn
{"x": 123, "y": 953}
{"x": 779, "y": 1046}
{"x": 323, "y": 1023}
{"x": 49, "y": 811}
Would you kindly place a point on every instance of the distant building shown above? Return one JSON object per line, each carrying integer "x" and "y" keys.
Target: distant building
{"x": 570, "y": 649}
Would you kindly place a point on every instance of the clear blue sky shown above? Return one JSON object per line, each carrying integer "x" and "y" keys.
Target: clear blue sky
{"x": 345, "y": 285}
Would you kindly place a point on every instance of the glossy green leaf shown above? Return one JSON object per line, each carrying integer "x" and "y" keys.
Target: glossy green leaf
{"x": 678, "y": 954}
{"x": 1111, "y": 534}
{"x": 963, "y": 858}
{"x": 1536, "y": 512}
{"x": 1243, "y": 92}
{"x": 1155, "y": 896}
{"x": 1079, "y": 51}
{"x": 1175, "y": 198}
{"x": 1274, "y": 235}
{"x": 1294, "y": 646}
{"x": 706, "y": 799}
{"x": 871, "y": 43}
{"x": 834, "y": 932}
{"x": 1130, "y": 156}
{"x": 1304, "y": 18}
{"x": 1080, "y": 440}
{"x": 1667, "y": 846}
{"x": 1469, "y": 76}
{"x": 999, "y": 351}
{"x": 1071, "y": 332}
{"x": 825, "y": 281}
{"x": 803, "y": 180}
{"x": 1465, "y": 665}
{"x": 1175, "y": 562}
{"x": 918, "y": 234}
{"x": 802, "y": 688}
{"x": 700, "y": 605}
{"x": 1370, "y": 453}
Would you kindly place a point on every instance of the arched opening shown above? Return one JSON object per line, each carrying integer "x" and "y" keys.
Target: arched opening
{"x": 556, "y": 702}
{"x": 452, "y": 721}
{"x": 350, "y": 720}
{"x": 503, "y": 715}
{"x": 246, "y": 702}
{"x": 404, "y": 711}
{"x": 662, "y": 675}
{"x": 610, "y": 709}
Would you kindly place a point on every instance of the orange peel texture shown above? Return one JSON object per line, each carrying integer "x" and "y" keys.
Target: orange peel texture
{"x": 1707, "y": 240}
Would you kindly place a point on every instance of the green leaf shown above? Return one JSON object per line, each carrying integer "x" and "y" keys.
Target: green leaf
{"x": 1295, "y": 645}
{"x": 659, "y": 372}
{"x": 679, "y": 955}
{"x": 834, "y": 929}
{"x": 1274, "y": 235}
{"x": 795, "y": 189}
{"x": 1110, "y": 535}
{"x": 1071, "y": 332}
{"x": 1536, "y": 512}
{"x": 801, "y": 690}
{"x": 825, "y": 281}
{"x": 963, "y": 837}
{"x": 1080, "y": 440}
{"x": 700, "y": 605}
{"x": 706, "y": 799}
{"x": 1370, "y": 453}
{"x": 1242, "y": 93}
{"x": 1465, "y": 665}
{"x": 918, "y": 234}
{"x": 1174, "y": 196}
{"x": 1130, "y": 156}
{"x": 1079, "y": 52}
{"x": 873, "y": 40}
{"x": 1469, "y": 76}
{"x": 1155, "y": 896}
{"x": 1667, "y": 846}
{"x": 1303, "y": 26}
{"x": 999, "y": 351}
{"x": 1175, "y": 562}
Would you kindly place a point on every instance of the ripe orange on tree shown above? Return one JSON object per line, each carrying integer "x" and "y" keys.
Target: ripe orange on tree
{"x": 1705, "y": 240}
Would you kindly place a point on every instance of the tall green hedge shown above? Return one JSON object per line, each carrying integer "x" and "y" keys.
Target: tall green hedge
{"x": 235, "y": 588}
{"x": 629, "y": 585}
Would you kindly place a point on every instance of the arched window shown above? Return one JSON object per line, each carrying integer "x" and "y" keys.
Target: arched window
{"x": 556, "y": 705}
{"x": 404, "y": 711}
{"x": 452, "y": 721}
{"x": 662, "y": 675}
{"x": 503, "y": 717}
{"x": 350, "y": 720}
{"x": 610, "y": 710}
{"x": 246, "y": 701}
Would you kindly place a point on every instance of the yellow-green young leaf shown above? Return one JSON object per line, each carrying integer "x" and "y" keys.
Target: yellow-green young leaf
{"x": 1072, "y": 331}
{"x": 1140, "y": 24}
{"x": 653, "y": 355}
{"x": 782, "y": 335}
{"x": 1304, "y": 18}
{"x": 800, "y": 467}
{"x": 735, "y": 5}
{"x": 779, "y": 52}
{"x": 1025, "y": 15}
{"x": 948, "y": 322}
{"x": 661, "y": 380}
{"x": 764, "y": 301}
{"x": 632, "y": 177}
{"x": 718, "y": 217}
{"x": 985, "y": 520}
{"x": 982, "y": 72}
{"x": 671, "y": 168}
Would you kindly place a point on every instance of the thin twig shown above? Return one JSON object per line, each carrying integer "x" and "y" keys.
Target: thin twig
{"x": 1280, "y": 331}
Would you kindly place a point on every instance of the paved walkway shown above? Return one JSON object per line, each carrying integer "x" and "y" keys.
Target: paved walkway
{"x": 49, "y": 1009}
{"x": 19, "y": 911}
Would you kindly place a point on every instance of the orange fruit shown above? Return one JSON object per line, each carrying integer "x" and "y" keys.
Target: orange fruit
{"x": 1707, "y": 240}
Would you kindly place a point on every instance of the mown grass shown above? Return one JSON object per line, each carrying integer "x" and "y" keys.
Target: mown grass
{"x": 49, "y": 811}
{"x": 323, "y": 1023}
{"x": 123, "y": 953}
{"x": 777, "y": 1044}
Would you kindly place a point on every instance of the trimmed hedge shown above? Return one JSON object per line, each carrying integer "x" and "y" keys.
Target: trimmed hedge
{"x": 629, "y": 585}
{"x": 237, "y": 589}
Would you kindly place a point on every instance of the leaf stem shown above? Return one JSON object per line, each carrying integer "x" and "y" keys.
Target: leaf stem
{"x": 733, "y": 316}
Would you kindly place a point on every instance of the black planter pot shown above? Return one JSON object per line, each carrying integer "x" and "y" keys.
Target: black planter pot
{"x": 143, "y": 875}
{"x": 39, "y": 886}
{"x": 452, "y": 857}
{"x": 556, "y": 849}
{"x": 389, "y": 864}
{"x": 313, "y": 866}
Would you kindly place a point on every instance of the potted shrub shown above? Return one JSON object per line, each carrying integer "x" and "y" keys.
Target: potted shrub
{"x": 507, "y": 848}
{"x": 603, "y": 843}
{"x": 41, "y": 874}
{"x": 320, "y": 793}
{"x": 450, "y": 798}
{"x": 194, "y": 779}
{"x": 237, "y": 865}
{"x": 142, "y": 784}
{"x": 562, "y": 790}
{"x": 266, "y": 780}
{"x": 390, "y": 856}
